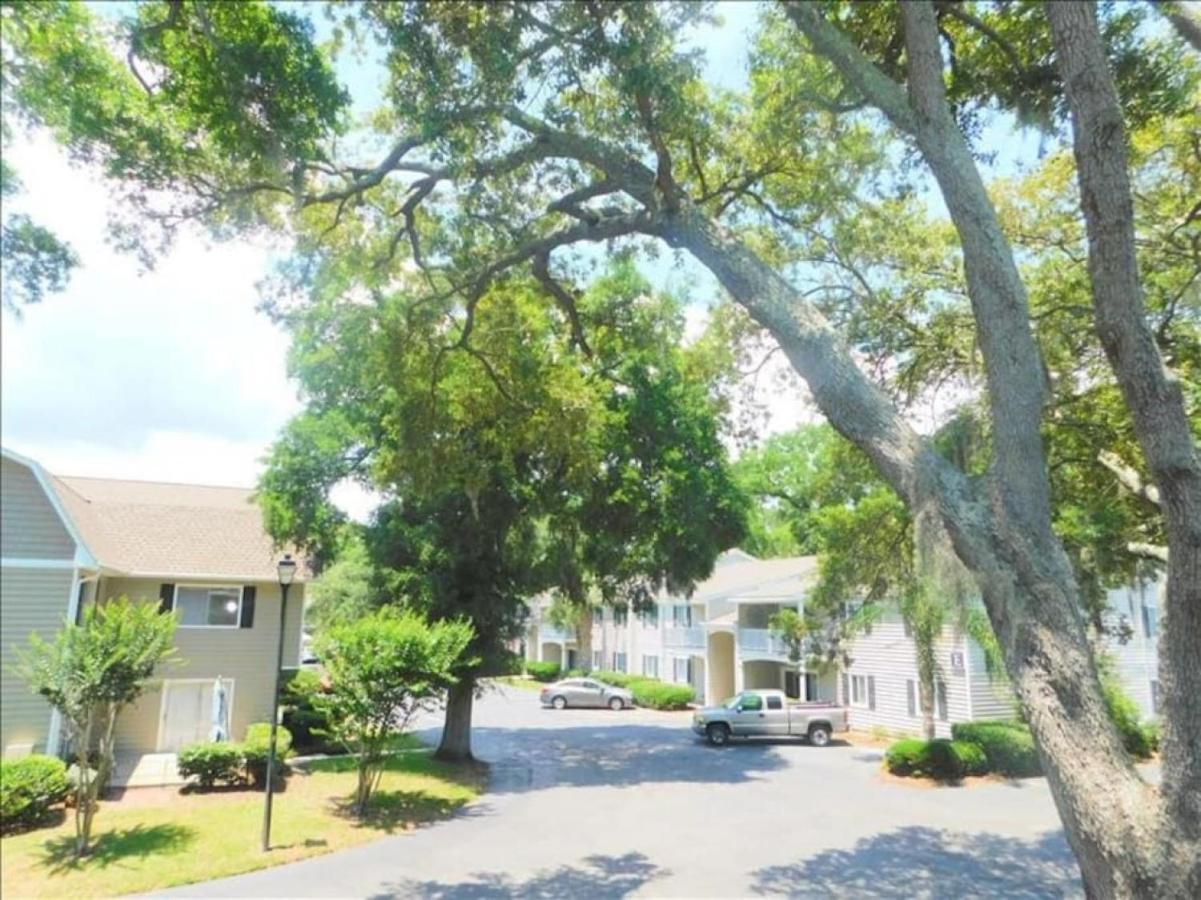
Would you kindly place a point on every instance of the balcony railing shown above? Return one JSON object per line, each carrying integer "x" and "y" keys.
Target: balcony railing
{"x": 555, "y": 635}
{"x": 762, "y": 641}
{"x": 690, "y": 637}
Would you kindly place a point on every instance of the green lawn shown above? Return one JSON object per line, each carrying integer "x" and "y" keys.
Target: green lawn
{"x": 520, "y": 681}
{"x": 171, "y": 839}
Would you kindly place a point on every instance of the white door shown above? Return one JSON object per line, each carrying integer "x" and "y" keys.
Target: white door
{"x": 187, "y": 716}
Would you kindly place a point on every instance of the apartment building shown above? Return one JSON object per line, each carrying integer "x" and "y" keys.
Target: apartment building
{"x": 718, "y": 641}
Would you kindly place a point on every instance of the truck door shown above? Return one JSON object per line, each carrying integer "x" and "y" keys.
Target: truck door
{"x": 775, "y": 716}
{"x": 750, "y": 718}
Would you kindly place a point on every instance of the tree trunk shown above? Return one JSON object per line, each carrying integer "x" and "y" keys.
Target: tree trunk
{"x": 925, "y": 679}
{"x": 583, "y": 639}
{"x": 455, "y": 745}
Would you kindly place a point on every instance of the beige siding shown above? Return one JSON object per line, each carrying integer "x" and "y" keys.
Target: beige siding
{"x": 31, "y": 600}
{"x": 888, "y": 655}
{"x": 244, "y": 655}
{"x": 29, "y": 526}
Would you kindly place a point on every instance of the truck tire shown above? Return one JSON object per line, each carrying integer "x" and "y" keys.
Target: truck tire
{"x": 718, "y": 734}
{"x": 819, "y": 735}
{"x": 559, "y": 703}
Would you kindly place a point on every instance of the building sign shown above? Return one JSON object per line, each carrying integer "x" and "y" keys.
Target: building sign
{"x": 957, "y": 666}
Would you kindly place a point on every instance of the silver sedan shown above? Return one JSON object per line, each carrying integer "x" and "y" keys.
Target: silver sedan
{"x": 585, "y": 692}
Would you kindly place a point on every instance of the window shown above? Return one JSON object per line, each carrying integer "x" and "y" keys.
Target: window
{"x": 621, "y": 615}
{"x": 911, "y": 697}
{"x": 858, "y": 690}
{"x": 591, "y": 685}
{"x": 940, "y": 697}
{"x": 650, "y": 666}
{"x": 598, "y": 659}
{"x": 775, "y": 703}
{"x": 650, "y": 616}
{"x": 1155, "y": 696}
{"x": 1150, "y": 618}
{"x": 681, "y": 670}
{"x": 619, "y": 662}
{"x": 208, "y": 607}
{"x": 752, "y": 702}
{"x": 681, "y": 615}
{"x": 598, "y": 616}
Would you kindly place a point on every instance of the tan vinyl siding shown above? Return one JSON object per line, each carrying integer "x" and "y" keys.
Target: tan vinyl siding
{"x": 30, "y": 528}
{"x": 888, "y": 655}
{"x": 244, "y": 655}
{"x": 31, "y": 600}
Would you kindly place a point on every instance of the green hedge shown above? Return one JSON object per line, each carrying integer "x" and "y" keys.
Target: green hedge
{"x": 619, "y": 679}
{"x": 212, "y": 761}
{"x": 543, "y": 671}
{"x": 256, "y": 747}
{"x": 29, "y": 787}
{"x": 301, "y": 716}
{"x": 942, "y": 760}
{"x": 659, "y": 695}
{"x": 1008, "y": 746}
{"x": 1123, "y": 712}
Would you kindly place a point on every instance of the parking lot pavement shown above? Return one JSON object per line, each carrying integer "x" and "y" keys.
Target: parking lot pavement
{"x": 596, "y": 803}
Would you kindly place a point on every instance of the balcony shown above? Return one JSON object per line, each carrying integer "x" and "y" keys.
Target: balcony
{"x": 553, "y": 634}
{"x": 681, "y": 637}
{"x": 761, "y": 642}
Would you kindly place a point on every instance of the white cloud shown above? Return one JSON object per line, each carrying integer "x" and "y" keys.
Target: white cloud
{"x": 169, "y": 374}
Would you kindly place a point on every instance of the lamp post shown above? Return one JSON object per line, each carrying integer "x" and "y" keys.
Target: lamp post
{"x": 286, "y": 568}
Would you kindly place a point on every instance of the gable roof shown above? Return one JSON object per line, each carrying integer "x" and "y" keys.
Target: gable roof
{"x": 759, "y": 579}
{"x": 162, "y": 530}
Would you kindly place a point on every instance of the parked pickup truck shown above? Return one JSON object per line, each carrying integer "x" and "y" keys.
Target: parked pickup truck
{"x": 769, "y": 714}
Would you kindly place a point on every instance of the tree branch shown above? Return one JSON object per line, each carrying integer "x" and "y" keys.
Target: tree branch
{"x": 1129, "y": 477}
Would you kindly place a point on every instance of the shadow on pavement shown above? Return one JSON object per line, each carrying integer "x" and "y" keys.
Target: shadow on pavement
{"x": 594, "y": 877}
{"x": 925, "y": 862}
{"x": 613, "y": 756}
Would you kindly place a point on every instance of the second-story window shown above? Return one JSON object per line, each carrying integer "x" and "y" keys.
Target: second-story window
{"x": 208, "y": 607}
{"x": 681, "y": 615}
{"x": 598, "y": 616}
{"x": 1150, "y": 618}
{"x": 621, "y": 615}
{"x": 649, "y": 616}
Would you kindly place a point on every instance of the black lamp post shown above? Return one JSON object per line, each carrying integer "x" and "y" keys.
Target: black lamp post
{"x": 287, "y": 571}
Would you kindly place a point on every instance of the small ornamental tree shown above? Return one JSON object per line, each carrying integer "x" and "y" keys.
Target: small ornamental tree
{"x": 90, "y": 672}
{"x": 382, "y": 669}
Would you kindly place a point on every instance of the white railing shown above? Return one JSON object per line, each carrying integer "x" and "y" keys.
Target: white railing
{"x": 763, "y": 641}
{"x": 553, "y": 634}
{"x": 684, "y": 637}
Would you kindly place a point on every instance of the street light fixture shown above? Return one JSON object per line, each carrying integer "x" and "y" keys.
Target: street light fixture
{"x": 286, "y": 568}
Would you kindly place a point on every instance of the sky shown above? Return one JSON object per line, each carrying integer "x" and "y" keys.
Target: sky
{"x": 172, "y": 374}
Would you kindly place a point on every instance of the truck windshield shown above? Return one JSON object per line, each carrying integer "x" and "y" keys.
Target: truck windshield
{"x": 732, "y": 702}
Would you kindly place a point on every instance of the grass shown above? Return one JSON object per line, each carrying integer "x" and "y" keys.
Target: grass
{"x": 520, "y": 681}
{"x": 198, "y": 836}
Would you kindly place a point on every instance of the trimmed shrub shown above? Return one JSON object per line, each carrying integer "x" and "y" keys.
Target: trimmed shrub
{"x": 1123, "y": 712}
{"x": 302, "y": 717}
{"x": 941, "y": 760}
{"x": 1151, "y": 730}
{"x": 904, "y": 757}
{"x": 543, "y": 671}
{"x": 255, "y": 747}
{"x": 658, "y": 695}
{"x": 619, "y": 679}
{"x": 29, "y": 787}
{"x": 212, "y": 761}
{"x": 1008, "y": 746}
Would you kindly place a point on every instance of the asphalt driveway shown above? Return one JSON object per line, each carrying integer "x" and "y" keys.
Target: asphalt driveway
{"x": 586, "y": 804}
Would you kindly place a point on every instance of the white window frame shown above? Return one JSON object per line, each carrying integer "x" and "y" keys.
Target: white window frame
{"x": 241, "y": 589}
{"x": 676, "y": 661}
{"x": 859, "y": 691}
{"x": 650, "y": 658}
{"x": 620, "y": 661}
{"x": 621, "y": 616}
{"x": 598, "y": 659}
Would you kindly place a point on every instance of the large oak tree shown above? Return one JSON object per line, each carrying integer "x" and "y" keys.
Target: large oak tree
{"x": 511, "y": 132}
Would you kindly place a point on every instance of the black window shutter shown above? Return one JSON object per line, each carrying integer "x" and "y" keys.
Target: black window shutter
{"x": 846, "y": 690}
{"x": 871, "y": 691}
{"x": 166, "y": 597}
{"x": 247, "y": 607}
